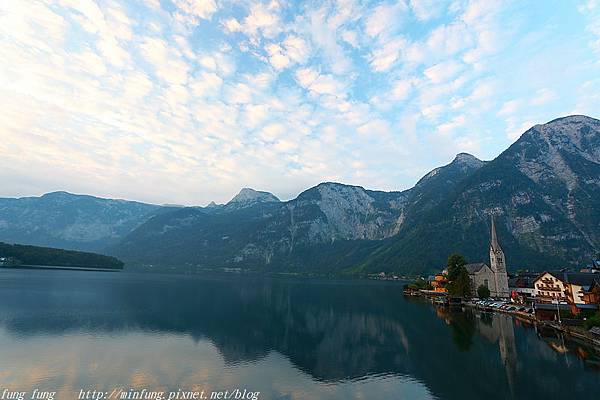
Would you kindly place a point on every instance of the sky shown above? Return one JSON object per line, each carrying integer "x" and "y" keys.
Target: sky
{"x": 188, "y": 101}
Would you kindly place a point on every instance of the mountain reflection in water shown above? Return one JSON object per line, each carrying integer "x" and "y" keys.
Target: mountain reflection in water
{"x": 285, "y": 338}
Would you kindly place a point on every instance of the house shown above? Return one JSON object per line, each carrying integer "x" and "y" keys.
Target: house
{"x": 549, "y": 288}
{"x": 439, "y": 283}
{"x": 572, "y": 288}
{"x": 577, "y": 284}
{"x": 494, "y": 276}
{"x": 592, "y": 294}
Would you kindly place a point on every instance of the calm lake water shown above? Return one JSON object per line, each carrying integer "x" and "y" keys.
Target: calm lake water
{"x": 65, "y": 331}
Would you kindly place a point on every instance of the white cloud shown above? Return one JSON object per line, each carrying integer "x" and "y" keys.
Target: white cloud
{"x": 206, "y": 84}
{"x": 425, "y": 10}
{"x": 262, "y": 19}
{"x": 385, "y": 19}
{"x": 510, "y": 108}
{"x": 323, "y": 32}
{"x": 350, "y": 37}
{"x": 191, "y": 11}
{"x": 385, "y": 56}
{"x": 543, "y": 96}
{"x": 444, "y": 71}
{"x": 401, "y": 89}
{"x": 320, "y": 83}
{"x": 447, "y": 40}
{"x": 232, "y": 25}
{"x": 297, "y": 49}
{"x": 293, "y": 50}
{"x": 277, "y": 58}
{"x": 335, "y": 90}
{"x": 451, "y": 126}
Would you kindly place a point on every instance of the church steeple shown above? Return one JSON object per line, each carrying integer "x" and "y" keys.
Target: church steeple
{"x": 494, "y": 242}
{"x": 498, "y": 265}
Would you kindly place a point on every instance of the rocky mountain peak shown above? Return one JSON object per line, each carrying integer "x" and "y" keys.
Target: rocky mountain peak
{"x": 568, "y": 130}
{"x": 463, "y": 163}
{"x": 248, "y": 196}
{"x": 564, "y": 149}
{"x": 57, "y": 194}
{"x": 468, "y": 160}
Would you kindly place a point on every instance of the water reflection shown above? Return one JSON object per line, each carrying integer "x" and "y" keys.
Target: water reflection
{"x": 285, "y": 338}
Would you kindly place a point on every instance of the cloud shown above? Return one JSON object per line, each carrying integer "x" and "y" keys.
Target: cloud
{"x": 442, "y": 72}
{"x": 451, "y": 126}
{"x": 232, "y": 25}
{"x": 385, "y": 19}
{"x": 320, "y": 83}
{"x": 386, "y": 55}
{"x": 401, "y": 89}
{"x": 425, "y": 10}
{"x": 322, "y": 28}
{"x": 350, "y": 37}
{"x": 201, "y": 99}
{"x": 543, "y": 96}
{"x": 191, "y": 11}
{"x": 293, "y": 50}
{"x": 262, "y": 19}
{"x": 510, "y": 107}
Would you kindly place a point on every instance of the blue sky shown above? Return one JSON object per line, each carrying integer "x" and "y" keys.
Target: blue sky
{"x": 187, "y": 101}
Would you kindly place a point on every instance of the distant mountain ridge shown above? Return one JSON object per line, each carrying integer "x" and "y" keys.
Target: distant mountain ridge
{"x": 544, "y": 191}
{"x": 327, "y": 228}
{"x": 70, "y": 221}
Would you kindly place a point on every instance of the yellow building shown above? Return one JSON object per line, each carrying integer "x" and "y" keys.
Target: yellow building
{"x": 439, "y": 283}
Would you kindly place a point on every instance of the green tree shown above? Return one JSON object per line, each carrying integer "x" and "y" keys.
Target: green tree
{"x": 461, "y": 286}
{"x": 483, "y": 292}
{"x": 455, "y": 262}
{"x": 592, "y": 321}
{"x": 419, "y": 283}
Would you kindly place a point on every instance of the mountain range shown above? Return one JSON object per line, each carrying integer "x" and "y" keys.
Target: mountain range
{"x": 544, "y": 192}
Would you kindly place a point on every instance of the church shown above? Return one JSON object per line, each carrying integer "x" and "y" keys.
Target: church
{"x": 494, "y": 276}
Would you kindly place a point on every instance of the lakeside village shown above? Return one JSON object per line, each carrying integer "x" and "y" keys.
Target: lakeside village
{"x": 564, "y": 300}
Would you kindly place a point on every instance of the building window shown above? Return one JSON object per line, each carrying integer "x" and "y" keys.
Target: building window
{"x": 485, "y": 283}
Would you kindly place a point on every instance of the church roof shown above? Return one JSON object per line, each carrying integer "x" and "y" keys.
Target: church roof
{"x": 475, "y": 267}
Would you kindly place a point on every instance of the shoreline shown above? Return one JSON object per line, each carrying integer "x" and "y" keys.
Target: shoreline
{"x": 63, "y": 268}
{"x": 572, "y": 331}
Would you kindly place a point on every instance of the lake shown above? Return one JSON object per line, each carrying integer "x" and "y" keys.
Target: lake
{"x": 67, "y": 331}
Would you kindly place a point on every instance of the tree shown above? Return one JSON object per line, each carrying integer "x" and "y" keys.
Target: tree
{"x": 592, "y": 321}
{"x": 418, "y": 284}
{"x": 461, "y": 286}
{"x": 483, "y": 292}
{"x": 455, "y": 262}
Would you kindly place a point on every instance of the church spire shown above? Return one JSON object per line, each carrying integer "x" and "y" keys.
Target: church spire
{"x": 494, "y": 242}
